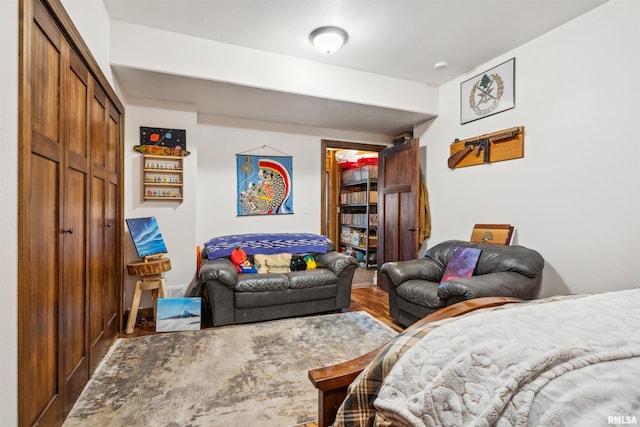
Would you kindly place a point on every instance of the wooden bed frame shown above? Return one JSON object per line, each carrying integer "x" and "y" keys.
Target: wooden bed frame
{"x": 332, "y": 381}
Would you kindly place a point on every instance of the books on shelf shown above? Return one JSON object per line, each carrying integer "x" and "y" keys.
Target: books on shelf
{"x": 358, "y": 197}
{"x": 359, "y": 219}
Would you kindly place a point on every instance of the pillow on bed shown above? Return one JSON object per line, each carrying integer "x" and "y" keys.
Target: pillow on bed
{"x": 275, "y": 263}
{"x": 461, "y": 264}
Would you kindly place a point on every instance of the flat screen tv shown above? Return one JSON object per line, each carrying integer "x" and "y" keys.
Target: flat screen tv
{"x": 146, "y": 236}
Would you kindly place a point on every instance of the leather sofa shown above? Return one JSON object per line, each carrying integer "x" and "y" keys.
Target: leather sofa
{"x": 230, "y": 297}
{"x": 415, "y": 289}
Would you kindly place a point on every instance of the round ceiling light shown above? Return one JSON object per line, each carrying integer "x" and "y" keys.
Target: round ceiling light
{"x": 442, "y": 65}
{"x": 328, "y": 39}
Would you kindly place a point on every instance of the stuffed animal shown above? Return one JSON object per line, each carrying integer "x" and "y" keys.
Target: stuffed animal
{"x": 311, "y": 262}
{"x": 240, "y": 260}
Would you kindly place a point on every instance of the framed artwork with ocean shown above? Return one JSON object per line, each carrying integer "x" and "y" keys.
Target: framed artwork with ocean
{"x": 146, "y": 236}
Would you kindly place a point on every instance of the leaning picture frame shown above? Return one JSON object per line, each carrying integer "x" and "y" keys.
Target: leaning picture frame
{"x": 178, "y": 314}
{"x": 488, "y": 93}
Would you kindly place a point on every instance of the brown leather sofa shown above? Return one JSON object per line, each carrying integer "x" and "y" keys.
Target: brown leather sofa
{"x": 415, "y": 289}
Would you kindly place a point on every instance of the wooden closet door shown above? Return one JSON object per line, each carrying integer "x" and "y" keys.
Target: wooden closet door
{"x": 98, "y": 130}
{"x": 73, "y": 290}
{"x": 53, "y": 296}
{"x": 41, "y": 392}
{"x": 114, "y": 224}
{"x": 104, "y": 307}
{"x": 70, "y": 214}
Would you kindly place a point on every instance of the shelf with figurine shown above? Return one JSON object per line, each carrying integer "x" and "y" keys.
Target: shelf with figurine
{"x": 162, "y": 177}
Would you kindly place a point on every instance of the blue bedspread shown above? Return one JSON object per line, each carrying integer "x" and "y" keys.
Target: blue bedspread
{"x": 266, "y": 243}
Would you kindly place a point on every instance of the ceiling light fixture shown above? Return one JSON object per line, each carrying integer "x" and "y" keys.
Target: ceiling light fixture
{"x": 442, "y": 65}
{"x": 328, "y": 39}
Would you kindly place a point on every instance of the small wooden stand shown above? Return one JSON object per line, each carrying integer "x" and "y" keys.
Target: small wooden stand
{"x": 150, "y": 270}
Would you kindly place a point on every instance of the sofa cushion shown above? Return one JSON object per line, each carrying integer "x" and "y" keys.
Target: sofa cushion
{"x": 276, "y": 263}
{"x": 273, "y": 300}
{"x": 421, "y": 292}
{"x": 311, "y": 278}
{"x": 261, "y": 282}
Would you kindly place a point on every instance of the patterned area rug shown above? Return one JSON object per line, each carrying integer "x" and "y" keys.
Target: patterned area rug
{"x": 241, "y": 375}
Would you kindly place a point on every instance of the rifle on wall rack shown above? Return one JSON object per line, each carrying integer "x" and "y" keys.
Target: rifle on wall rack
{"x": 514, "y": 137}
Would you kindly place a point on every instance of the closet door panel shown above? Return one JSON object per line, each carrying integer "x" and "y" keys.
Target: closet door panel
{"x": 111, "y": 262}
{"x": 74, "y": 323}
{"x": 45, "y": 76}
{"x": 97, "y": 283}
{"x": 73, "y": 293}
{"x": 75, "y": 107}
{"x": 44, "y": 275}
{"x": 113, "y": 141}
{"x": 41, "y": 361}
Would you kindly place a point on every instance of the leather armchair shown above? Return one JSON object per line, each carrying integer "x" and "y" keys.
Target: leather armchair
{"x": 415, "y": 289}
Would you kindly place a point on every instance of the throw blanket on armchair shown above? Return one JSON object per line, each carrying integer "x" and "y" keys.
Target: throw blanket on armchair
{"x": 535, "y": 364}
{"x": 266, "y": 243}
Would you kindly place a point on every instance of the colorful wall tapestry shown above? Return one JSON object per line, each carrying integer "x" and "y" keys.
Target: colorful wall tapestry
{"x": 264, "y": 186}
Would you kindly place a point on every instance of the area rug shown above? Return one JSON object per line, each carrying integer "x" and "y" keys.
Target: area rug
{"x": 242, "y": 375}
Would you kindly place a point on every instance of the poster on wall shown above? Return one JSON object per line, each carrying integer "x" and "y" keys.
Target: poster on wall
{"x": 488, "y": 93}
{"x": 162, "y": 141}
{"x": 264, "y": 185}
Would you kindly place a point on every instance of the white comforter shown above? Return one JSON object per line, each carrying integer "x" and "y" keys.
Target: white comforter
{"x": 572, "y": 363}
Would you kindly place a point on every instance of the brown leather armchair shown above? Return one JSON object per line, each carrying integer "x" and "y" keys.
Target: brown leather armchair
{"x": 415, "y": 289}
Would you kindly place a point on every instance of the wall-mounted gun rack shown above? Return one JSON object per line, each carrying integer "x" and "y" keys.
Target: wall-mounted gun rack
{"x": 492, "y": 147}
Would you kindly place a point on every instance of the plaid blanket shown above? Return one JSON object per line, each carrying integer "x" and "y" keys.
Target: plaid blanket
{"x": 266, "y": 243}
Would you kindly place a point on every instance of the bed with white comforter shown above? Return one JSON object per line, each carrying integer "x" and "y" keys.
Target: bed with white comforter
{"x": 572, "y": 361}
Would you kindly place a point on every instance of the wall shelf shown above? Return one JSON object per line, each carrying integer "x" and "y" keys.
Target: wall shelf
{"x": 162, "y": 177}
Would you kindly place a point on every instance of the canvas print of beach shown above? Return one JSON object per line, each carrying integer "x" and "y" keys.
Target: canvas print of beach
{"x": 146, "y": 236}
{"x": 178, "y": 314}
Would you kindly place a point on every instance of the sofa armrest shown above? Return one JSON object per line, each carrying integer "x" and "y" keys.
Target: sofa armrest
{"x": 220, "y": 269}
{"x": 335, "y": 261}
{"x": 506, "y": 283}
{"x": 423, "y": 268}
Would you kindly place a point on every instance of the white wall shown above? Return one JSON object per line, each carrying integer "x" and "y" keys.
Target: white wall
{"x": 209, "y": 206}
{"x": 223, "y": 138}
{"x": 9, "y": 211}
{"x": 574, "y": 195}
{"x": 176, "y": 219}
{"x": 92, "y": 21}
{"x": 148, "y": 48}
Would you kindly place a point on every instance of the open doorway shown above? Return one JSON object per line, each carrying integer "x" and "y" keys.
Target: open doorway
{"x": 330, "y": 188}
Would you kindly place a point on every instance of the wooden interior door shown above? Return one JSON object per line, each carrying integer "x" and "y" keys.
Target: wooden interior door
{"x": 398, "y": 189}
